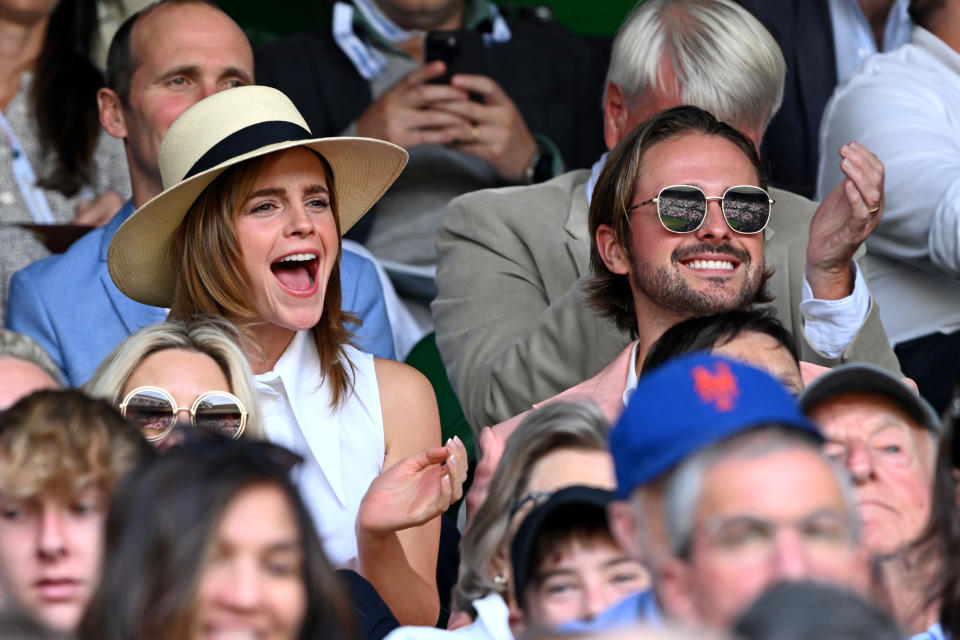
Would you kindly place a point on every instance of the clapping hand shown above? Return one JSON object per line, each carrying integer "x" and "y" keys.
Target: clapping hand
{"x": 845, "y": 218}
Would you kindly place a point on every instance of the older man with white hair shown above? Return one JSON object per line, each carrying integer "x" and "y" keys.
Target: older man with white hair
{"x": 513, "y": 325}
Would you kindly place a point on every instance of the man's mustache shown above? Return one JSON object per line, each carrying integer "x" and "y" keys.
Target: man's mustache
{"x": 682, "y": 253}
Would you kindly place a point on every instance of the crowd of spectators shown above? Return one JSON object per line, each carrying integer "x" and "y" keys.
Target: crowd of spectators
{"x": 665, "y": 394}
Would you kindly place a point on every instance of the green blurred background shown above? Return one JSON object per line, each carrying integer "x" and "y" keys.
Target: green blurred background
{"x": 264, "y": 20}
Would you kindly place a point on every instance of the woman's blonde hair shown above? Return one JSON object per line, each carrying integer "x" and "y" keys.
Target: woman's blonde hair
{"x": 211, "y": 277}
{"x": 209, "y": 335}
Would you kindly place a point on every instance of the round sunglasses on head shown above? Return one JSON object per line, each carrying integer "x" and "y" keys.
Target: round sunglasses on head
{"x": 682, "y": 208}
{"x": 155, "y": 412}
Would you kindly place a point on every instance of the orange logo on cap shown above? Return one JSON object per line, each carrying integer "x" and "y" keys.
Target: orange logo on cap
{"x": 719, "y": 389}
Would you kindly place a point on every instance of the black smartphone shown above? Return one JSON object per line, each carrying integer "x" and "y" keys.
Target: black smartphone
{"x": 461, "y": 51}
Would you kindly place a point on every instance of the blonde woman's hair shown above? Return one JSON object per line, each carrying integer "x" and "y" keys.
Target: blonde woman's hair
{"x": 209, "y": 335}
{"x": 211, "y": 277}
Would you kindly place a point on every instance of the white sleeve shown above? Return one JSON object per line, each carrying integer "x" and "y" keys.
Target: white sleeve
{"x": 830, "y": 325}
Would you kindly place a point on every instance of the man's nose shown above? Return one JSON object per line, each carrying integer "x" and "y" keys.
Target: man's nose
{"x": 790, "y": 561}
{"x": 714, "y": 225}
{"x": 859, "y": 462}
{"x": 52, "y": 542}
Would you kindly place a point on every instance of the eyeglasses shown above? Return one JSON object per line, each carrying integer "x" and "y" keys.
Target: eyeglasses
{"x": 155, "y": 412}
{"x": 823, "y": 533}
{"x": 682, "y": 208}
{"x": 535, "y": 498}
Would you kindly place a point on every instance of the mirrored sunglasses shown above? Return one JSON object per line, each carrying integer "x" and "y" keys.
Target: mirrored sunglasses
{"x": 155, "y": 412}
{"x": 682, "y": 208}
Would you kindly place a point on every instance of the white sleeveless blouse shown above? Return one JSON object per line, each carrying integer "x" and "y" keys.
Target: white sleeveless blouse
{"x": 343, "y": 451}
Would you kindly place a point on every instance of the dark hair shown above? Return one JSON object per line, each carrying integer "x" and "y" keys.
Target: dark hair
{"x": 566, "y": 525}
{"x": 63, "y": 96}
{"x": 162, "y": 522}
{"x": 708, "y": 332}
{"x": 121, "y": 63}
{"x": 940, "y": 539}
{"x": 923, "y": 12}
{"x": 813, "y": 611}
{"x": 610, "y": 293}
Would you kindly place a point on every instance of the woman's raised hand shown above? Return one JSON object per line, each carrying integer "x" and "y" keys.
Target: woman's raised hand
{"x": 415, "y": 490}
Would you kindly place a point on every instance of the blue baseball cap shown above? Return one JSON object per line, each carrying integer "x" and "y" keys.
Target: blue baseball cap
{"x": 690, "y": 403}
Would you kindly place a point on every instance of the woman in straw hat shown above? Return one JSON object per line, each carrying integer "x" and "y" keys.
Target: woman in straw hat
{"x": 249, "y": 227}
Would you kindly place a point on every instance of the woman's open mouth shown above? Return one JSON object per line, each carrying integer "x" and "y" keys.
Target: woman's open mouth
{"x": 297, "y": 272}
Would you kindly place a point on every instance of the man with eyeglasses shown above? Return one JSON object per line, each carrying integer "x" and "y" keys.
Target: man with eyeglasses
{"x": 722, "y": 491}
{"x": 512, "y": 323}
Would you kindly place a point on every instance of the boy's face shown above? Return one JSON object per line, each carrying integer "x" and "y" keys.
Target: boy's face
{"x": 50, "y": 549}
{"x": 582, "y": 581}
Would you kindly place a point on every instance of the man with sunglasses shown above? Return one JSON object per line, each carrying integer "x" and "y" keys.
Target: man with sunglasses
{"x": 513, "y": 325}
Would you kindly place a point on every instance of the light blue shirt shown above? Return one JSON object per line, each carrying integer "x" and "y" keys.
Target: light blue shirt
{"x": 638, "y": 608}
{"x": 853, "y": 40}
{"x": 933, "y": 633}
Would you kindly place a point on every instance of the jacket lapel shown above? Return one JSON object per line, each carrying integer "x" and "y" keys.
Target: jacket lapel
{"x": 577, "y": 225}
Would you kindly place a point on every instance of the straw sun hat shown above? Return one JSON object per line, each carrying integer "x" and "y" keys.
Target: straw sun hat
{"x": 215, "y": 134}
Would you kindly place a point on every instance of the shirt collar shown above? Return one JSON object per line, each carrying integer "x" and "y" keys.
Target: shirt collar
{"x": 295, "y": 362}
{"x": 595, "y": 175}
{"x": 359, "y": 22}
{"x": 632, "y": 377}
{"x": 936, "y": 47}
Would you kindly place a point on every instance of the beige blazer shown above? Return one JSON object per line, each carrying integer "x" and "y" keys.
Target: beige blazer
{"x": 513, "y": 326}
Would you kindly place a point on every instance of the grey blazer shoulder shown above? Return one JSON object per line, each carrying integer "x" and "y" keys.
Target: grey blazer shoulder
{"x": 512, "y": 323}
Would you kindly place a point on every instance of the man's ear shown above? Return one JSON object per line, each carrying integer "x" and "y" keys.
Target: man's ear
{"x": 674, "y": 587}
{"x": 111, "y": 113}
{"x": 611, "y": 252}
{"x": 625, "y": 528}
{"x": 614, "y": 115}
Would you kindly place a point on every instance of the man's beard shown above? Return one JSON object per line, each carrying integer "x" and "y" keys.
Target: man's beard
{"x": 665, "y": 285}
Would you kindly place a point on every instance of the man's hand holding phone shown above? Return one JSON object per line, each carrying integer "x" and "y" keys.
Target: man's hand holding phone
{"x": 469, "y": 111}
{"x": 494, "y": 129}
{"x": 407, "y": 113}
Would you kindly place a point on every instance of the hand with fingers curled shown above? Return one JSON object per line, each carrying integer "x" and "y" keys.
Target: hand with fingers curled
{"x": 493, "y": 128}
{"x": 407, "y": 113}
{"x": 415, "y": 490}
{"x": 845, "y": 218}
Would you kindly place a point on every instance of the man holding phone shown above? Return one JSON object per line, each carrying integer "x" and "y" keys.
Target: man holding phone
{"x": 510, "y": 113}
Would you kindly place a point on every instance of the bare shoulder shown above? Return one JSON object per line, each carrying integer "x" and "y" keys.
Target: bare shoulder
{"x": 400, "y": 380}
{"x": 411, "y": 421}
